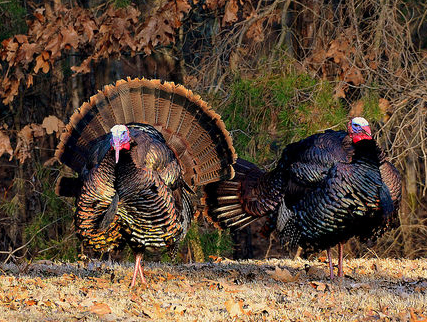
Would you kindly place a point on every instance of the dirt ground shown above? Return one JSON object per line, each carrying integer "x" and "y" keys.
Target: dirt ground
{"x": 223, "y": 290}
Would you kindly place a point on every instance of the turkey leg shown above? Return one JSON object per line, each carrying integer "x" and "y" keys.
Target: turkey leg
{"x": 331, "y": 266}
{"x": 340, "y": 259}
{"x": 138, "y": 269}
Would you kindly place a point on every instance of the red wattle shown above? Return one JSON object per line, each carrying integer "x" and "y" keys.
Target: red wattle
{"x": 361, "y": 136}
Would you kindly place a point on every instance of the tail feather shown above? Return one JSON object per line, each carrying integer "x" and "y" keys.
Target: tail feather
{"x": 224, "y": 201}
{"x": 190, "y": 127}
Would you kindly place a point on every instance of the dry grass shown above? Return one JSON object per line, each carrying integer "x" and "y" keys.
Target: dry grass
{"x": 373, "y": 289}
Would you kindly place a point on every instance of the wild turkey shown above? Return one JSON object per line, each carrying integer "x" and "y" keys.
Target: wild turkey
{"x": 325, "y": 189}
{"x": 141, "y": 149}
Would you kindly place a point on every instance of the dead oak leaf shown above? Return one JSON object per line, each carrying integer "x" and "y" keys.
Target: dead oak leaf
{"x": 319, "y": 286}
{"x": 414, "y": 317}
{"x": 5, "y": 145}
{"x": 52, "y": 124}
{"x": 83, "y": 68}
{"x": 230, "y": 14}
{"x": 283, "y": 275}
{"x": 100, "y": 308}
{"x": 69, "y": 37}
{"x": 27, "y": 51}
{"x": 41, "y": 64}
{"x": 255, "y": 31}
{"x": 384, "y": 105}
{"x": 356, "y": 108}
{"x": 29, "y": 80}
{"x": 234, "y": 308}
{"x": 354, "y": 75}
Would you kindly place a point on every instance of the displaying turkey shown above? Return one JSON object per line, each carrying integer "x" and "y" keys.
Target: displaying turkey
{"x": 141, "y": 149}
{"x": 325, "y": 189}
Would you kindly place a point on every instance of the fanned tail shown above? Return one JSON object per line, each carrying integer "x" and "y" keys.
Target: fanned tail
{"x": 190, "y": 127}
{"x": 226, "y": 202}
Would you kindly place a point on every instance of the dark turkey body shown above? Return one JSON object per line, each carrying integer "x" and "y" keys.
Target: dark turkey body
{"x": 141, "y": 199}
{"x": 335, "y": 190}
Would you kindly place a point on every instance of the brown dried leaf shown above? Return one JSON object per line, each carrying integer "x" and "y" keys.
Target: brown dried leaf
{"x": 356, "y": 109}
{"x": 21, "y": 38}
{"x": 384, "y": 105}
{"x": 255, "y": 31}
{"x": 214, "y": 4}
{"x": 26, "y": 134}
{"x": 100, "y": 309}
{"x": 70, "y": 37}
{"x": 38, "y": 13}
{"x": 45, "y": 67}
{"x": 230, "y": 14}
{"x": 45, "y": 55}
{"x": 54, "y": 46}
{"x": 234, "y": 308}
{"x": 11, "y": 49}
{"x": 414, "y": 317}
{"x": 39, "y": 63}
{"x": 37, "y": 130}
{"x": 89, "y": 26}
{"x": 283, "y": 275}
{"x": 339, "y": 91}
{"x": 318, "y": 286}
{"x": 31, "y": 302}
{"x": 354, "y": 75}
{"x": 52, "y": 124}
{"x": 83, "y": 68}
{"x": 11, "y": 88}
{"x": 29, "y": 80}
{"x": 28, "y": 50}
{"x": 5, "y": 146}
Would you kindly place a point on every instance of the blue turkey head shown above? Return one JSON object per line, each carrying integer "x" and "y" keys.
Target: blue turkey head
{"x": 358, "y": 129}
{"x": 120, "y": 139}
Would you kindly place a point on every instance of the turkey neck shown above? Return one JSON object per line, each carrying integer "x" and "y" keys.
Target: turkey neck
{"x": 368, "y": 150}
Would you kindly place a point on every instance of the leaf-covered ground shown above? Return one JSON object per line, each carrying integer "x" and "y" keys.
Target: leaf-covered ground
{"x": 272, "y": 290}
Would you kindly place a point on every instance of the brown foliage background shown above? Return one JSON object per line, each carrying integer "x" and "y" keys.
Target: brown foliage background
{"x": 69, "y": 52}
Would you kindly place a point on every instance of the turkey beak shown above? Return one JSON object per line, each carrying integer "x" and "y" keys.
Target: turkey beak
{"x": 367, "y": 130}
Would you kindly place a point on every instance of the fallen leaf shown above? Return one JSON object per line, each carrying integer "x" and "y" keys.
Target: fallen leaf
{"x": 318, "y": 286}
{"x": 234, "y": 308}
{"x": 37, "y": 130}
{"x": 52, "y": 124}
{"x": 70, "y": 37}
{"x": 414, "y": 317}
{"x": 29, "y": 80}
{"x": 5, "y": 146}
{"x": 339, "y": 91}
{"x": 100, "y": 309}
{"x": 230, "y": 14}
{"x": 356, "y": 109}
{"x": 39, "y": 63}
{"x": 384, "y": 105}
{"x": 30, "y": 302}
{"x": 283, "y": 275}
